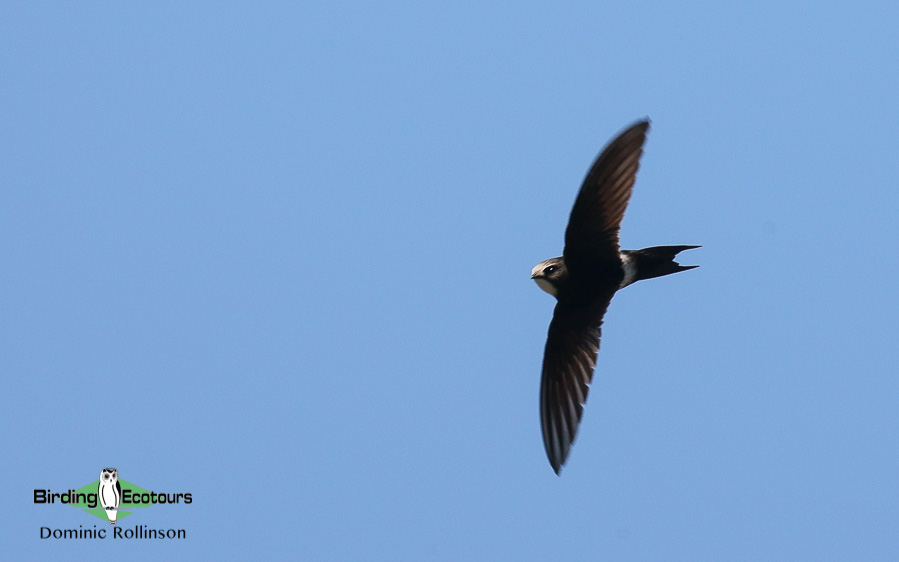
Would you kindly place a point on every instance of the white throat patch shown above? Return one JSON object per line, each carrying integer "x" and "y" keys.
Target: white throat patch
{"x": 546, "y": 286}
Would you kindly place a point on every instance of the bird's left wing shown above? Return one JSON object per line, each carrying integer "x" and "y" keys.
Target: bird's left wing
{"x": 591, "y": 239}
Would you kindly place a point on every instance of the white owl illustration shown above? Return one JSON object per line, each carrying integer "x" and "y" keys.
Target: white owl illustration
{"x": 110, "y": 492}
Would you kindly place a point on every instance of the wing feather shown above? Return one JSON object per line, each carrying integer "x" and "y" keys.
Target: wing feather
{"x": 591, "y": 239}
{"x": 568, "y": 363}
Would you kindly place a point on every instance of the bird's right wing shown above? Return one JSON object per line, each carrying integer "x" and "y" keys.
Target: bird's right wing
{"x": 568, "y": 362}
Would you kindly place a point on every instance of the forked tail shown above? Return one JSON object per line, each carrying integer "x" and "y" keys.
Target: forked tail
{"x": 658, "y": 261}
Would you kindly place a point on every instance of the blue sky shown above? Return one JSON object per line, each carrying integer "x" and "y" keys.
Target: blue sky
{"x": 278, "y": 257}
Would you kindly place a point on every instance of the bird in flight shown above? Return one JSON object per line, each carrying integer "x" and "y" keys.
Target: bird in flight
{"x": 591, "y": 270}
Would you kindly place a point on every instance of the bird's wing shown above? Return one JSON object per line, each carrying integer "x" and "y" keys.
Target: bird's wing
{"x": 568, "y": 361}
{"x": 591, "y": 239}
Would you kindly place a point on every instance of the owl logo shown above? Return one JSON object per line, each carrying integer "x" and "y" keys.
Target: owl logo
{"x": 110, "y": 492}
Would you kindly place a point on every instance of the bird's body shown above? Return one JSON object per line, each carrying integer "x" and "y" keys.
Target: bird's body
{"x": 584, "y": 280}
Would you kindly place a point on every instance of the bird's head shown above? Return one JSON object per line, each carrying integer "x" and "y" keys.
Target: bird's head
{"x": 550, "y": 274}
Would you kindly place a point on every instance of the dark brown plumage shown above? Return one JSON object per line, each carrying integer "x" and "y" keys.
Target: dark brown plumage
{"x": 584, "y": 280}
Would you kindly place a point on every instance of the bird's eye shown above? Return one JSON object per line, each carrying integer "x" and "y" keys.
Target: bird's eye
{"x": 549, "y": 270}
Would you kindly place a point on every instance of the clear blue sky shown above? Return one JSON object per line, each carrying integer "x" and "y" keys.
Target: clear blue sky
{"x": 278, "y": 256}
